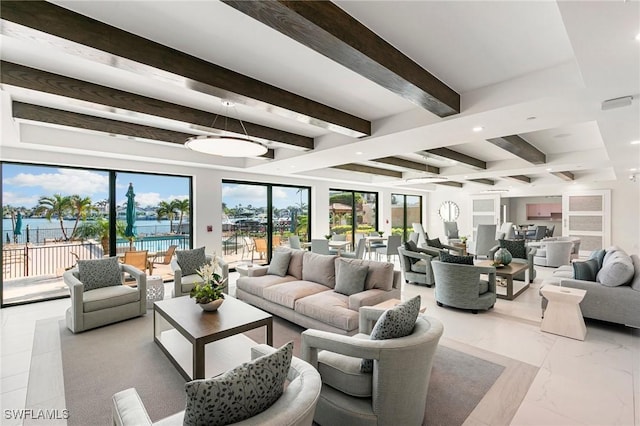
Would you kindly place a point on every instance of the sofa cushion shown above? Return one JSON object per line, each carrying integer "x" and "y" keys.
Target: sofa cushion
{"x": 238, "y": 394}
{"x": 411, "y": 246}
{"x": 350, "y": 277}
{"x": 286, "y": 294}
{"x": 330, "y": 308}
{"x": 483, "y": 286}
{"x": 191, "y": 260}
{"x": 343, "y": 373}
{"x": 617, "y": 269}
{"x": 420, "y": 267}
{"x": 451, "y": 258}
{"x": 585, "y": 271}
{"x": 187, "y": 282}
{"x": 319, "y": 268}
{"x": 98, "y": 273}
{"x": 279, "y": 263}
{"x": 109, "y": 297}
{"x": 564, "y": 271}
{"x": 515, "y": 247}
{"x": 635, "y": 284}
{"x": 394, "y": 323}
{"x": 295, "y": 264}
{"x": 256, "y": 285}
{"x": 599, "y": 256}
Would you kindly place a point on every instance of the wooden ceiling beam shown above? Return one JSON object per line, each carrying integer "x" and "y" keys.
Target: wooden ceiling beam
{"x": 519, "y": 178}
{"x": 159, "y": 59}
{"x": 567, "y": 176}
{"x": 42, "y": 114}
{"x": 407, "y": 164}
{"x": 483, "y": 181}
{"x": 329, "y": 30}
{"x": 42, "y": 81}
{"x": 454, "y": 184}
{"x": 456, "y": 156}
{"x": 368, "y": 169}
{"x": 521, "y": 148}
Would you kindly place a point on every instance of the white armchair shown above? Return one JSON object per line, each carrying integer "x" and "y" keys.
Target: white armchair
{"x": 484, "y": 241}
{"x": 182, "y": 284}
{"x": 395, "y": 393}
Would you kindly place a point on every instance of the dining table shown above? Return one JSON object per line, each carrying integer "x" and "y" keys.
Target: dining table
{"x": 373, "y": 239}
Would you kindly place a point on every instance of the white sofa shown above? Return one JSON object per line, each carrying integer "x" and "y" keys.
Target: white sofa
{"x": 306, "y": 296}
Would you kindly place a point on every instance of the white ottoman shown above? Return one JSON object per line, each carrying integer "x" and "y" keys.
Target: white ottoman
{"x": 155, "y": 289}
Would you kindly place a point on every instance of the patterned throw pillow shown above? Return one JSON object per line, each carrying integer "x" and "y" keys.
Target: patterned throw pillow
{"x": 191, "y": 260}
{"x": 586, "y": 271}
{"x": 350, "y": 277}
{"x": 98, "y": 273}
{"x": 279, "y": 263}
{"x": 435, "y": 243}
{"x": 451, "y": 258}
{"x": 515, "y": 247}
{"x": 393, "y": 323}
{"x": 238, "y": 394}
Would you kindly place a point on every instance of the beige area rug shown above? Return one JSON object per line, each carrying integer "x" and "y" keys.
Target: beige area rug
{"x": 468, "y": 385}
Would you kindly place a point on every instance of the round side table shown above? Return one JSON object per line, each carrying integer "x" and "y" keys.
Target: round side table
{"x": 155, "y": 289}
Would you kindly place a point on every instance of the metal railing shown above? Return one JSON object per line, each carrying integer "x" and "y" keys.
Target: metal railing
{"x": 29, "y": 261}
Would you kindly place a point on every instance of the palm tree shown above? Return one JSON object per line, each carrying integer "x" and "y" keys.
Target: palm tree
{"x": 100, "y": 229}
{"x": 166, "y": 210}
{"x": 81, "y": 208}
{"x": 183, "y": 207}
{"x": 56, "y": 205}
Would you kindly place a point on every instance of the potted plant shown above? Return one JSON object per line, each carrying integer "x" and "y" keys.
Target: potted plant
{"x": 208, "y": 294}
{"x": 381, "y": 233}
{"x": 328, "y": 236}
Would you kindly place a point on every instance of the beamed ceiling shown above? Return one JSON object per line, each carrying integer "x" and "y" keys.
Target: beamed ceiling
{"x": 422, "y": 95}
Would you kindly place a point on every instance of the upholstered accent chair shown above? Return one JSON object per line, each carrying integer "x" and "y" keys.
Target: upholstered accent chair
{"x": 536, "y": 234}
{"x": 391, "y": 249}
{"x": 183, "y": 283}
{"x": 98, "y": 305}
{"x": 484, "y": 240}
{"x": 451, "y": 232}
{"x": 423, "y": 240}
{"x": 295, "y": 407}
{"x": 320, "y": 246}
{"x": 416, "y": 266}
{"x": 361, "y": 246}
{"x": 461, "y": 286}
{"x": 553, "y": 253}
{"x": 394, "y": 393}
{"x": 294, "y": 242}
{"x": 506, "y": 232}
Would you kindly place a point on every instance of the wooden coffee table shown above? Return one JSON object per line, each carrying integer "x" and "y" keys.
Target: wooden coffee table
{"x": 508, "y": 272}
{"x": 182, "y": 315}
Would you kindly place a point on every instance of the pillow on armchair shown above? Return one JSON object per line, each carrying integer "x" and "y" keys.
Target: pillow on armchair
{"x": 98, "y": 273}
{"x": 191, "y": 260}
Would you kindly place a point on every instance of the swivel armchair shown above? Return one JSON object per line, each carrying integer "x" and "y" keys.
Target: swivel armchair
{"x": 460, "y": 286}
{"x": 182, "y": 284}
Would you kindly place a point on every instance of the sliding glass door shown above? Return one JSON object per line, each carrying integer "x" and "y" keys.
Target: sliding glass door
{"x": 257, "y": 218}
{"x": 405, "y": 210}
{"x": 352, "y": 211}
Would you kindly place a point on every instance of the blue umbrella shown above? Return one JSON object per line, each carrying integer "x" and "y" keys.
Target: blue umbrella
{"x": 18, "y": 229}
{"x": 130, "y": 231}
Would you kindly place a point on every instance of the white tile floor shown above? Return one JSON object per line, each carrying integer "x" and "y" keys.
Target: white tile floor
{"x": 595, "y": 382}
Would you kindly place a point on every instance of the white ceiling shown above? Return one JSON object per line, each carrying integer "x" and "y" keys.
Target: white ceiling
{"x": 532, "y": 68}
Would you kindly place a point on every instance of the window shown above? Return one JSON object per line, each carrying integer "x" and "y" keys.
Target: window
{"x": 344, "y": 206}
{"x": 405, "y": 210}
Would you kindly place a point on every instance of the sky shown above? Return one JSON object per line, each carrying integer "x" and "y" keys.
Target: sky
{"x": 23, "y": 185}
{"x": 256, "y": 195}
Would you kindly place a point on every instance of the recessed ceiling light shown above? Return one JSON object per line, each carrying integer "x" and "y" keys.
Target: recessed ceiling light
{"x": 358, "y": 152}
{"x": 466, "y": 177}
{"x": 635, "y": 142}
{"x": 548, "y": 170}
{"x": 562, "y": 135}
{"x": 638, "y": 37}
{"x": 478, "y": 129}
{"x": 633, "y": 169}
{"x": 292, "y": 167}
{"x": 532, "y": 118}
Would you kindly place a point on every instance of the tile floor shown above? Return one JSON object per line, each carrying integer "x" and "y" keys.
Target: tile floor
{"x": 595, "y": 382}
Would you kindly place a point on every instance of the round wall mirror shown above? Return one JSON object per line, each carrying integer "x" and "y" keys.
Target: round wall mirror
{"x": 449, "y": 211}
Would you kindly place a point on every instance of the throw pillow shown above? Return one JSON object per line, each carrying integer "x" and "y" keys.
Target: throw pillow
{"x": 586, "y": 270}
{"x": 350, "y": 277}
{"x": 451, "y": 258}
{"x": 616, "y": 270}
{"x": 411, "y": 246}
{"x": 279, "y": 263}
{"x": 238, "y": 394}
{"x": 599, "y": 256}
{"x": 393, "y": 323}
{"x": 319, "y": 268}
{"x": 435, "y": 243}
{"x": 98, "y": 273}
{"x": 190, "y": 260}
{"x": 515, "y": 247}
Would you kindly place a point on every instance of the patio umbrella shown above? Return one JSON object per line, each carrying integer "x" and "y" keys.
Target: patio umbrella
{"x": 130, "y": 231}
{"x": 18, "y": 229}
{"x": 294, "y": 219}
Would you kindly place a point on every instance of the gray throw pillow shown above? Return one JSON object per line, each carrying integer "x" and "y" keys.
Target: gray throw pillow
{"x": 279, "y": 263}
{"x": 515, "y": 247}
{"x": 435, "y": 243}
{"x": 319, "y": 268}
{"x": 394, "y": 323}
{"x": 350, "y": 277}
{"x": 190, "y": 260}
{"x": 98, "y": 273}
{"x": 238, "y": 394}
{"x": 599, "y": 256}
{"x": 451, "y": 258}
{"x": 585, "y": 271}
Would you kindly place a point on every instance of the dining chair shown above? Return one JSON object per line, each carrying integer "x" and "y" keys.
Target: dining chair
{"x": 391, "y": 249}
{"x": 294, "y": 242}
{"x": 359, "y": 253}
{"x": 166, "y": 256}
{"x": 320, "y": 246}
{"x": 260, "y": 247}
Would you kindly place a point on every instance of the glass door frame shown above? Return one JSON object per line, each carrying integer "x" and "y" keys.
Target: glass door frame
{"x": 354, "y": 221}
{"x": 404, "y": 213}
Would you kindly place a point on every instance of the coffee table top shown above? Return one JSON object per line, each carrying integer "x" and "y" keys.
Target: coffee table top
{"x": 232, "y": 317}
{"x": 510, "y": 269}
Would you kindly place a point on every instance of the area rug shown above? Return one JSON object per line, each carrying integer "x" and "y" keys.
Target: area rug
{"x": 101, "y": 362}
